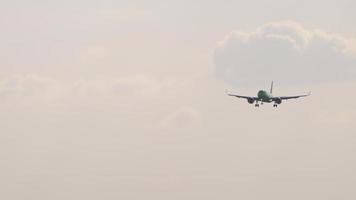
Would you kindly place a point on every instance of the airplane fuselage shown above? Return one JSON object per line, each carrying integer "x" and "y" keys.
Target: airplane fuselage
{"x": 264, "y": 96}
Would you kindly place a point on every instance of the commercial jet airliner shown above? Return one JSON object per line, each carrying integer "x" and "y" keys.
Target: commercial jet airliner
{"x": 267, "y": 97}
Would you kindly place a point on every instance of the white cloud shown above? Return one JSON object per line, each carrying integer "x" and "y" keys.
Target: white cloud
{"x": 169, "y": 129}
{"x": 30, "y": 85}
{"x": 35, "y": 90}
{"x": 286, "y": 52}
{"x": 182, "y": 121}
{"x": 123, "y": 14}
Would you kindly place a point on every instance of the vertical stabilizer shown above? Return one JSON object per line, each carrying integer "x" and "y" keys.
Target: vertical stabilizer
{"x": 271, "y": 91}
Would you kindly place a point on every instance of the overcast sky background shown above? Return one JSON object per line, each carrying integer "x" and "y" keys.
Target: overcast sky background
{"x": 126, "y": 99}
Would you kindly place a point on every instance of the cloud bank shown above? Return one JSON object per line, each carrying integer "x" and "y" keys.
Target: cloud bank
{"x": 286, "y": 52}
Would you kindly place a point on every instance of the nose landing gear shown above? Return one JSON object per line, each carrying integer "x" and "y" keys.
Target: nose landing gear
{"x": 257, "y": 105}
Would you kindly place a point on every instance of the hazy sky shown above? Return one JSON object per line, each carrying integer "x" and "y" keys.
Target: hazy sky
{"x": 126, "y": 100}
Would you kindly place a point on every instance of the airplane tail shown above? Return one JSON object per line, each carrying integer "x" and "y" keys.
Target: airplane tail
{"x": 271, "y": 91}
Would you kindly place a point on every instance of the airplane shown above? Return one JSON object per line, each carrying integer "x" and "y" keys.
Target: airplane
{"x": 267, "y": 97}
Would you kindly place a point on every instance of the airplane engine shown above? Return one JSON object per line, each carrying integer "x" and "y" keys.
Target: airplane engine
{"x": 278, "y": 101}
{"x": 250, "y": 100}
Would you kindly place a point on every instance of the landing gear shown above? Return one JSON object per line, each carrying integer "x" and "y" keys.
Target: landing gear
{"x": 257, "y": 105}
{"x": 275, "y": 105}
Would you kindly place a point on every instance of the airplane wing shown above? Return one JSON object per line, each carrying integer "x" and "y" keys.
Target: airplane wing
{"x": 291, "y": 97}
{"x": 240, "y": 96}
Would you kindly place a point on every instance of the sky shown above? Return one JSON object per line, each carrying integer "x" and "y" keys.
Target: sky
{"x": 126, "y": 99}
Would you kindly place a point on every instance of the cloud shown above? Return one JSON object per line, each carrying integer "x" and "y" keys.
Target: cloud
{"x": 26, "y": 86}
{"x": 286, "y": 52}
{"x": 188, "y": 134}
{"x": 123, "y": 14}
{"x": 34, "y": 89}
{"x": 183, "y": 120}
